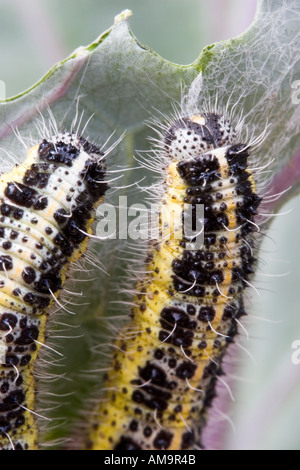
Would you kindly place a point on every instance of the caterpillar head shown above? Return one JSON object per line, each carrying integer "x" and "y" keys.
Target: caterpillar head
{"x": 191, "y": 136}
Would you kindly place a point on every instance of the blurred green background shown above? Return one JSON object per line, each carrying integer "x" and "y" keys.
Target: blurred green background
{"x": 35, "y": 34}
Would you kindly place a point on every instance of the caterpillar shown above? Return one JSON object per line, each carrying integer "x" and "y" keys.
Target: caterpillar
{"x": 46, "y": 213}
{"x": 167, "y": 359}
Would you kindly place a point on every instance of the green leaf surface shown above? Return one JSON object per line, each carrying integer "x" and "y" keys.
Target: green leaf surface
{"x": 120, "y": 84}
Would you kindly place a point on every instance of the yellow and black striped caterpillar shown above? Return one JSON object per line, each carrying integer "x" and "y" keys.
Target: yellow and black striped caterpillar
{"x": 46, "y": 211}
{"x": 167, "y": 360}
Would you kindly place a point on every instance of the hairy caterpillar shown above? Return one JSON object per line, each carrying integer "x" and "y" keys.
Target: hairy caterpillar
{"x": 167, "y": 360}
{"x": 46, "y": 212}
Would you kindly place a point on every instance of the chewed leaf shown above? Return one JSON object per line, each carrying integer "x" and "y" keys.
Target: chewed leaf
{"x": 115, "y": 79}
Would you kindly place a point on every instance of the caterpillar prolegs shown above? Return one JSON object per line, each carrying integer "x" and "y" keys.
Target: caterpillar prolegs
{"x": 167, "y": 360}
{"x": 46, "y": 211}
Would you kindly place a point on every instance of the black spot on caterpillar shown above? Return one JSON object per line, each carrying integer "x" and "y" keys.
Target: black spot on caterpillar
{"x": 167, "y": 360}
{"x": 47, "y": 209}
